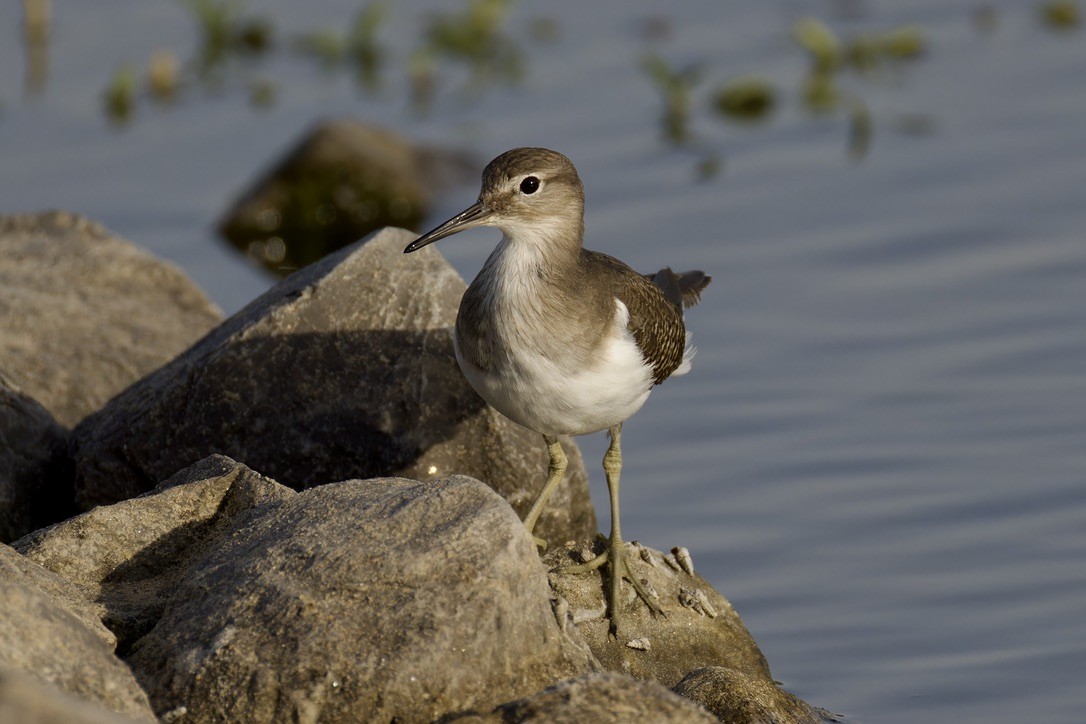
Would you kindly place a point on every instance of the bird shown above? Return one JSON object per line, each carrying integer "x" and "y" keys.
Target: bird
{"x": 560, "y": 339}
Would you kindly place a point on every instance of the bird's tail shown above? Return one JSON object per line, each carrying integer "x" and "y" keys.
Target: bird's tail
{"x": 683, "y": 289}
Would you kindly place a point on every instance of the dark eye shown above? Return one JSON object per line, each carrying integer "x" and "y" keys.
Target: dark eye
{"x": 529, "y": 185}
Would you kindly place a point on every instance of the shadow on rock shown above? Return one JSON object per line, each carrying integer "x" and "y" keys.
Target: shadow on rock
{"x": 36, "y": 472}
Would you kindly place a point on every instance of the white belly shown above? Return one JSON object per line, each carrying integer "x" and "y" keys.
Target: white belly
{"x": 543, "y": 395}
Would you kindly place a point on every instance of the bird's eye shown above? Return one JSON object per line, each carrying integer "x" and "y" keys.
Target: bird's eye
{"x": 529, "y": 185}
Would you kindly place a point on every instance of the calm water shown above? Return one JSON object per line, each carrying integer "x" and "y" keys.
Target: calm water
{"x": 880, "y": 455}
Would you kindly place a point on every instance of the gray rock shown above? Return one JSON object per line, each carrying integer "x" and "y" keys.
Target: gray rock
{"x": 85, "y": 313}
{"x": 343, "y": 370}
{"x": 735, "y": 698}
{"x": 343, "y": 180}
{"x": 24, "y": 700}
{"x": 126, "y": 559}
{"x": 599, "y": 698}
{"x": 48, "y": 633}
{"x": 372, "y": 600}
{"x": 700, "y": 628}
{"x": 35, "y": 469}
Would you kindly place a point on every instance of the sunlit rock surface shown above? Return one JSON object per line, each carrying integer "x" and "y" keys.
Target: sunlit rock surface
{"x": 50, "y": 634}
{"x": 85, "y": 313}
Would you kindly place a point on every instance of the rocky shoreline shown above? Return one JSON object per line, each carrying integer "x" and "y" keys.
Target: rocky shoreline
{"x": 279, "y": 516}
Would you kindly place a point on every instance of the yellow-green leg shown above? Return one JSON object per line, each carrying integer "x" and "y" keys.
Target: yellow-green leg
{"x": 555, "y": 472}
{"x": 615, "y": 555}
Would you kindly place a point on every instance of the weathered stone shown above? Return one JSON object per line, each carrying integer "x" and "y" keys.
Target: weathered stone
{"x": 599, "y": 698}
{"x": 343, "y": 180}
{"x": 343, "y": 370}
{"x": 24, "y": 700}
{"x": 372, "y": 600}
{"x": 735, "y": 698}
{"x": 127, "y": 558}
{"x": 85, "y": 313}
{"x": 699, "y": 627}
{"x": 48, "y": 633}
{"x": 35, "y": 468}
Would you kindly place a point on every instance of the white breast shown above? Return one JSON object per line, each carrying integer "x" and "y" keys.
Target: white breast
{"x": 553, "y": 396}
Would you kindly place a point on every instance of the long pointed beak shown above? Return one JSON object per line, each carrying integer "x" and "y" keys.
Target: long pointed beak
{"x": 474, "y": 215}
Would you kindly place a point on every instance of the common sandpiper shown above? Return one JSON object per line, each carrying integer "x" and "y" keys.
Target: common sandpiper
{"x": 559, "y": 339}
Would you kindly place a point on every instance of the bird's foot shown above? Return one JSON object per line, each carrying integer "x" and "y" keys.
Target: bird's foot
{"x": 539, "y": 542}
{"x": 591, "y": 564}
{"x": 616, "y": 556}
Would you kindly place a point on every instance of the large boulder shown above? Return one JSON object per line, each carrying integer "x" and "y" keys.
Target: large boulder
{"x": 83, "y": 313}
{"x": 377, "y": 600}
{"x": 35, "y": 468}
{"x": 48, "y": 633}
{"x": 357, "y": 601}
{"x": 699, "y": 629}
{"x": 343, "y": 370}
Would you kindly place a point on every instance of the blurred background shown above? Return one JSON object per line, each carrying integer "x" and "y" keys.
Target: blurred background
{"x": 880, "y": 454}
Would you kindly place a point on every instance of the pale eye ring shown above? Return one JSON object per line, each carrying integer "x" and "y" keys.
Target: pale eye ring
{"x": 529, "y": 185}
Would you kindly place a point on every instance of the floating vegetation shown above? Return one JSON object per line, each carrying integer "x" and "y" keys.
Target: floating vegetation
{"x": 363, "y": 49}
{"x": 358, "y": 47}
{"x": 820, "y": 42}
{"x": 475, "y": 37}
{"x": 163, "y": 75}
{"x": 422, "y": 77}
{"x": 262, "y": 93}
{"x": 859, "y": 130}
{"x": 904, "y": 43}
{"x": 1061, "y": 14}
{"x": 37, "y": 27}
{"x": 37, "y": 21}
{"x": 864, "y": 53}
{"x": 820, "y": 93}
{"x": 748, "y": 99}
{"x": 327, "y": 47}
{"x": 225, "y": 31}
{"x": 674, "y": 86}
{"x": 752, "y": 99}
{"x": 119, "y": 97}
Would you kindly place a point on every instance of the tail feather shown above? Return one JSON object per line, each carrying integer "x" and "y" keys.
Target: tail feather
{"x": 683, "y": 289}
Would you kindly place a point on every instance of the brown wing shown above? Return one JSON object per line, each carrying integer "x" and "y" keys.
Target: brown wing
{"x": 655, "y": 320}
